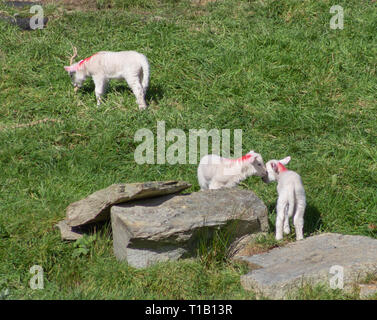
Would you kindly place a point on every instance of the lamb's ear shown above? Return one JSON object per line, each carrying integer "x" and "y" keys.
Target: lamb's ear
{"x": 252, "y": 158}
{"x": 274, "y": 166}
{"x": 72, "y": 68}
{"x": 285, "y": 161}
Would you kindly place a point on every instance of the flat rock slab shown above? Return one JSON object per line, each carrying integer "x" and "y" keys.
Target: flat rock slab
{"x": 96, "y": 207}
{"x": 67, "y": 232}
{"x": 167, "y": 228}
{"x": 284, "y": 269}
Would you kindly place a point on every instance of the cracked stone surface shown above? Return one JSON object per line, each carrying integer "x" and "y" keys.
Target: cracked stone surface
{"x": 284, "y": 269}
{"x": 96, "y": 206}
{"x": 170, "y": 227}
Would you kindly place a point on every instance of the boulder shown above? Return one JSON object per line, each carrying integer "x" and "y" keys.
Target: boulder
{"x": 95, "y": 207}
{"x": 315, "y": 260}
{"x": 169, "y": 227}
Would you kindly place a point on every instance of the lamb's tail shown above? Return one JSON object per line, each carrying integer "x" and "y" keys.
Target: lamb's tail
{"x": 145, "y": 79}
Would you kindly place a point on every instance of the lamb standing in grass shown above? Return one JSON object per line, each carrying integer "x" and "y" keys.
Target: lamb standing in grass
{"x": 291, "y": 201}
{"x": 105, "y": 65}
{"x": 215, "y": 172}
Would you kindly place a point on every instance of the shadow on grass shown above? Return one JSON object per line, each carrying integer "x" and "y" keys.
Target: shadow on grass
{"x": 102, "y": 227}
{"x": 154, "y": 93}
{"x": 87, "y": 88}
{"x": 312, "y": 219}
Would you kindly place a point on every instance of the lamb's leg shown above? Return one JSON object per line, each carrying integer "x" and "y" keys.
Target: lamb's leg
{"x": 204, "y": 187}
{"x": 138, "y": 91}
{"x": 202, "y": 180}
{"x": 298, "y": 220}
{"x": 214, "y": 185}
{"x": 280, "y": 211}
{"x": 100, "y": 85}
{"x": 287, "y": 230}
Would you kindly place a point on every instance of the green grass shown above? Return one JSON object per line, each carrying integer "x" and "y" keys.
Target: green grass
{"x": 274, "y": 69}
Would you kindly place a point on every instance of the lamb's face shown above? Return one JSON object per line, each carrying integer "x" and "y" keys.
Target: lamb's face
{"x": 257, "y": 164}
{"x": 272, "y": 169}
{"x": 77, "y": 76}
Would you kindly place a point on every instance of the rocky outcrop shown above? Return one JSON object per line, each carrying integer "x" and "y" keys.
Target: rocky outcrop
{"x": 96, "y": 207}
{"x": 165, "y": 228}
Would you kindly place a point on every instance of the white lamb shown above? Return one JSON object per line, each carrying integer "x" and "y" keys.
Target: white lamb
{"x": 291, "y": 200}
{"x": 215, "y": 172}
{"x": 105, "y": 65}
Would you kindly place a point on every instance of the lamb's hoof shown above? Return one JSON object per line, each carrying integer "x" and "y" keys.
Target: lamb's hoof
{"x": 142, "y": 107}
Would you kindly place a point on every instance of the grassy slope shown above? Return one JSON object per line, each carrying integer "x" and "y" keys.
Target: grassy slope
{"x": 274, "y": 69}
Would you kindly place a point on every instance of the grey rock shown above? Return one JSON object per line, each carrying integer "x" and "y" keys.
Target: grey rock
{"x": 283, "y": 270}
{"x": 23, "y": 23}
{"x": 367, "y": 290}
{"x": 170, "y": 227}
{"x": 67, "y": 232}
{"x": 96, "y": 207}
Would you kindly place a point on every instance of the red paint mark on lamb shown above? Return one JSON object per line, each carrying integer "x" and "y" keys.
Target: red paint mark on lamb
{"x": 86, "y": 60}
{"x": 243, "y": 158}
{"x": 281, "y": 167}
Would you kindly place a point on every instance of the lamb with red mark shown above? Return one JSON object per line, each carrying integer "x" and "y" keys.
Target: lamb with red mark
{"x": 291, "y": 201}
{"x": 86, "y": 60}
{"x": 215, "y": 172}
{"x": 105, "y": 65}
